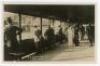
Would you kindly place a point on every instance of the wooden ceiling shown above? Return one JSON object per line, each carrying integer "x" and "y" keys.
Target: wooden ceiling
{"x": 76, "y": 13}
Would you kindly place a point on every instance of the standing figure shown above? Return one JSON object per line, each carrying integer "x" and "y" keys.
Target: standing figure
{"x": 70, "y": 36}
{"x": 10, "y": 39}
{"x": 90, "y": 33}
{"x": 49, "y": 34}
{"x": 76, "y": 35}
{"x": 37, "y": 37}
{"x": 82, "y": 30}
{"x": 10, "y": 35}
{"x": 60, "y": 34}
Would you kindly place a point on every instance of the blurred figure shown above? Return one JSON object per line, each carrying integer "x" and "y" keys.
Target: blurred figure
{"x": 70, "y": 35}
{"x": 37, "y": 36}
{"x": 49, "y": 34}
{"x": 10, "y": 35}
{"x": 76, "y": 35}
{"x": 82, "y": 31}
{"x": 61, "y": 35}
{"x": 39, "y": 40}
{"x": 38, "y": 33}
{"x": 90, "y": 33}
{"x": 10, "y": 39}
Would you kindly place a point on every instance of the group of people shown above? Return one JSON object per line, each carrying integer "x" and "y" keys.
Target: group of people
{"x": 50, "y": 38}
{"x": 77, "y": 32}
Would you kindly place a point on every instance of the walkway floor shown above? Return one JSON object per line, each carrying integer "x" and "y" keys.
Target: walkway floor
{"x": 81, "y": 54}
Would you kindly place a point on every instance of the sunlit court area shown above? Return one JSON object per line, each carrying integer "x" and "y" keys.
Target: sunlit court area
{"x": 49, "y": 33}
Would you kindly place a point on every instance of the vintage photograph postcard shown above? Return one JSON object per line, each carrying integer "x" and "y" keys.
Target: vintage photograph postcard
{"x": 49, "y": 32}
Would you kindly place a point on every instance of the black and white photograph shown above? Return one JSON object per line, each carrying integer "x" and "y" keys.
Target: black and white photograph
{"x": 49, "y": 32}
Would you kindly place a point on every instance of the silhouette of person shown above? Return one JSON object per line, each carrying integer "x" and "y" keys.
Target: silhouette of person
{"x": 76, "y": 35}
{"x": 61, "y": 35}
{"x": 82, "y": 30}
{"x": 10, "y": 35}
{"x": 90, "y": 33}
{"x": 37, "y": 37}
{"x": 49, "y": 34}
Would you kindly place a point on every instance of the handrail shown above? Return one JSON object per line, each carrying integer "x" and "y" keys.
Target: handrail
{"x": 29, "y": 56}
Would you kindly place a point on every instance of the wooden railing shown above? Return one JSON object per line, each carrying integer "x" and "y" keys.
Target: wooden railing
{"x": 28, "y": 57}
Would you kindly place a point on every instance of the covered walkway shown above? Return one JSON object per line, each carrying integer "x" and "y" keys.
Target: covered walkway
{"x": 30, "y": 17}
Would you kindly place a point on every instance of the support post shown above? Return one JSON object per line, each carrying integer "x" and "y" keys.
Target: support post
{"x": 20, "y": 19}
{"x": 41, "y": 24}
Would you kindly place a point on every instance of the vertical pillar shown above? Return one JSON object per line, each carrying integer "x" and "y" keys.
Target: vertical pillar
{"x": 60, "y": 23}
{"x": 53, "y": 21}
{"x": 41, "y": 24}
{"x": 20, "y": 19}
{"x": 49, "y": 22}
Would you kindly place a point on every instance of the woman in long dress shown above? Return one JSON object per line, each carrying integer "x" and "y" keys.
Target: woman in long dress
{"x": 70, "y": 36}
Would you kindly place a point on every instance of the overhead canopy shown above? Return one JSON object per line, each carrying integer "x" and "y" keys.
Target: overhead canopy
{"x": 76, "y": 13}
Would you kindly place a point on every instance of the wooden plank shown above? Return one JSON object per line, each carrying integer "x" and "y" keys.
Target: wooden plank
{"x": 27, "y": 56}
